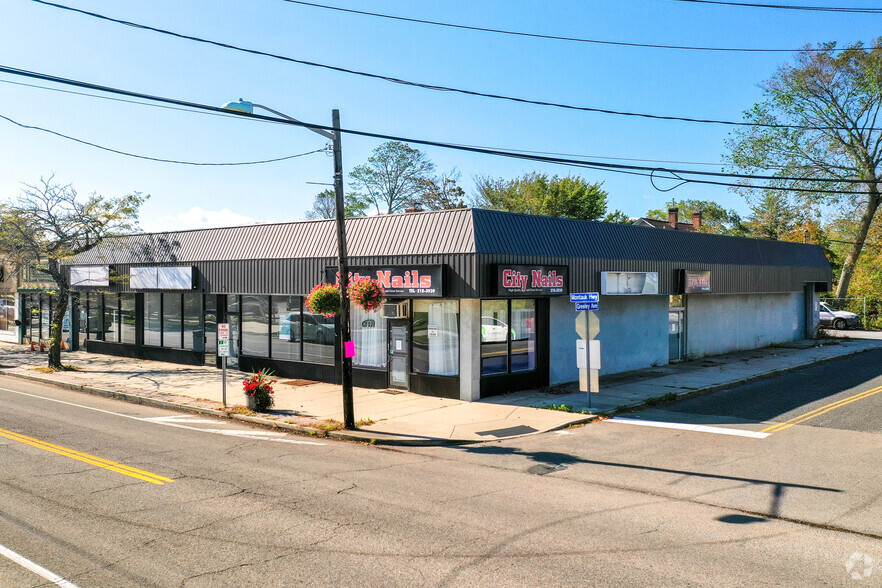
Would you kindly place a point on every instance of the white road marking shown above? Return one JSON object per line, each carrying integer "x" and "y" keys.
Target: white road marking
{"x": 247, "y": 434}
{"x": 37, "y": 569}
{"x": 190, "y": 420}
{"x": 689, "y": 427}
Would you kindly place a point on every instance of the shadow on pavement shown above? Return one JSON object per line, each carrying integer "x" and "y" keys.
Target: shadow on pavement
{"x": 549, "y": 461}
{"x": 770, "y": 399}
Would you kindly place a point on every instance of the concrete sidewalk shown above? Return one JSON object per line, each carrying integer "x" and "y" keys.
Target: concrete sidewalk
{"x": 391, "y": 416}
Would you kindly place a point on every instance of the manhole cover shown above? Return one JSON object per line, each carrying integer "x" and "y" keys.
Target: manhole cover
{"x": 545, "y": 468}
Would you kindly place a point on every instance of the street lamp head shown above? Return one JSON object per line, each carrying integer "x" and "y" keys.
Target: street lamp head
{"x": 240, "y": 106}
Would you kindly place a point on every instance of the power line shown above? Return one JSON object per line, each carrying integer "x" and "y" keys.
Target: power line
{"x": 127, "y": 154}
{"x": 435, "y": 87}
{"x": 113, "y": 99}
{"x": 539, "y": 35}
{"x": 230, "y": 115}
{"x": 856, "y": 10}
{"x": 613, "y": 167}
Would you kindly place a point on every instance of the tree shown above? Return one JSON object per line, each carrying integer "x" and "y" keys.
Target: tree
{"x": 392, "y": 177}
{"x": 47, "y": 224}
{"x": 829, "y": 100}
{"x": 440, "y": 193}
{"x": 535, "y": 193}
{"x": 714, "y": 218}
{"x": 325, "y": 206}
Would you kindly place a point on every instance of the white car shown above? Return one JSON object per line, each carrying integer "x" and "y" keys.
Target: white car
{"x": 838, "y": 319}
{"x": 493, "y": 330}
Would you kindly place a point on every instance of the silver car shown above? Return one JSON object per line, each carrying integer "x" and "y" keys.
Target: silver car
{"x": 838, "y": 319}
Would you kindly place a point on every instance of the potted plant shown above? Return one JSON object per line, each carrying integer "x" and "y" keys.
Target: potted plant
{"x": 324, "y": 299}
{"x": 367, "y": 294}
{"x": 259, "y": 390}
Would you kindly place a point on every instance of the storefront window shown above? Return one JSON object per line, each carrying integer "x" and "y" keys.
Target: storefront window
{"x": 285, "y": 328}
{"x": 127, "y": 318}
{"x": 194, "y": 336}
{"x": 172, "y": 330}
{"x": 95, "y": 328}
{"x": 523, "y": 335}
{"x": 152, "y": 318}
{"x": 7, "y": 313}
{"x": 508, "y": 336}
{"x": 46, "y": 309}
{"x": 111, "y": 318}
{"x": 255, "y": 326}
{"x": 494, "y": 337}
{"x": 369, "y": 336}
{"x": 319, "y": 337}
{"x": 436, "y": 337}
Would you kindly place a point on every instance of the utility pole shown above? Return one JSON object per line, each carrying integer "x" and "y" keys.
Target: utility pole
{"x": 343, "y": 269}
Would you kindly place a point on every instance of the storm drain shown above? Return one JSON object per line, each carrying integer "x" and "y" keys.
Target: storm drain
{"x": 546, "y": 468}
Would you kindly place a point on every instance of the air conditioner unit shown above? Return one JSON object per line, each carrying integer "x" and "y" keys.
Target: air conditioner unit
{"x": 394, "y": 310}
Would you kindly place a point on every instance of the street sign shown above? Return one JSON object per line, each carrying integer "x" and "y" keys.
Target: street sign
{"x": 587, "y": 306}
{"x": 584, "y": 297}
{"x": 223, "y": 339}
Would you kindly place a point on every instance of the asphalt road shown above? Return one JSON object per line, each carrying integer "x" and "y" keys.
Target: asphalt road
{"x": 128, "y": 495}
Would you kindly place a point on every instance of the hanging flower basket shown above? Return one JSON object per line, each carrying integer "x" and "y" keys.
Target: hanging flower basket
{"x": 367, "y": 294}
{"x": 324, "y": 299}
{"x": 259, "y": 390}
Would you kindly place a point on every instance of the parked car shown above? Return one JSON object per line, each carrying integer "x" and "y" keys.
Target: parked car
{"x": 838, "y": 319}
{"x": 316, "y": 328}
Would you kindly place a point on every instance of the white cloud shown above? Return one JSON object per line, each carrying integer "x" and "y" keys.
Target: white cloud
{"x": 197, "y": 218}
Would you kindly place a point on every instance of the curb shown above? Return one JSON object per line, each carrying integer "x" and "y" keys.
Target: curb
{"x": 715, "y": 387}
{"x": 341, "y": 435}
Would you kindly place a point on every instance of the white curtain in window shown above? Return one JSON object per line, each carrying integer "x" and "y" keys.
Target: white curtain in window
{"x": 369, "y": 336}
{"x": 443, "y": 338}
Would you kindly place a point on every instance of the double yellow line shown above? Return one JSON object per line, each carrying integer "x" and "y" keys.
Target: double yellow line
{"x": 85, "y": 457}
{"x": 819, "y": 411}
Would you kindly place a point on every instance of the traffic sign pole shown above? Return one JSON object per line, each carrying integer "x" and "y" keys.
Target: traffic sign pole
{"x": 223, "y": 351}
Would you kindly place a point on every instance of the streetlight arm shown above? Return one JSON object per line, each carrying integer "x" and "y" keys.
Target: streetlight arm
{"x": 326, "y": 134}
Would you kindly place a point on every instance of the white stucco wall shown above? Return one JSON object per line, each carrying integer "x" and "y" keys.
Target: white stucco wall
{"x": 633, "y": 334}
{"x": 722, "y": 323}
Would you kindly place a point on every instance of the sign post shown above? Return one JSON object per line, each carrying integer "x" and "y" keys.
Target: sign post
{"x": 587, "y": 347}
{"x": 223, "y": 351}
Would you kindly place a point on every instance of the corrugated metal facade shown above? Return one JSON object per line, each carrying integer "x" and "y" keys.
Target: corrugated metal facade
{"x": 290, "y": 258}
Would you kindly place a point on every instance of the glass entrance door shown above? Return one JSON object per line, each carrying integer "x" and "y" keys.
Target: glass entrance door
{"x": 399, "y": 350}
{"x": 675, "y": 335}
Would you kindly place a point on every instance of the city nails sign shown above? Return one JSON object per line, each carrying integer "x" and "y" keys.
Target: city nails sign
{"x": 399, "y": 281}
{"x": 531, "y": 280}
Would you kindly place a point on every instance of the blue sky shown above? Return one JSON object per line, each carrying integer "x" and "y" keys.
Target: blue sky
{"x": 669, "y": 82}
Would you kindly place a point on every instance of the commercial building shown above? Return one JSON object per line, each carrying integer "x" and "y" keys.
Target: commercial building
{"x": 477, "y": 300}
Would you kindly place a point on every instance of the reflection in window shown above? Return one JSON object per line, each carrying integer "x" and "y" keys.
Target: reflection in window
{"x": 369, "y": 336}
{"x": 494, "y": 337}
{"x": 7, "y": 313}
{"x": 436, "y": 337}
{"x": 127, "y": 317}
{"x": 319, "y": 337}
{"x": 523, "y": 335}
{"x": 285, "y": 327}
{"x": 194, "y": 337}
{"x": 152, "y": 318}
{"x": 111, "y": 318}
{"x": 46, "y": 309}
{"x": 171, "y": 320}
{"x": 255, "y": 326}
{"x": 508, "y": 336}
{"x": 95, "y": 322}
